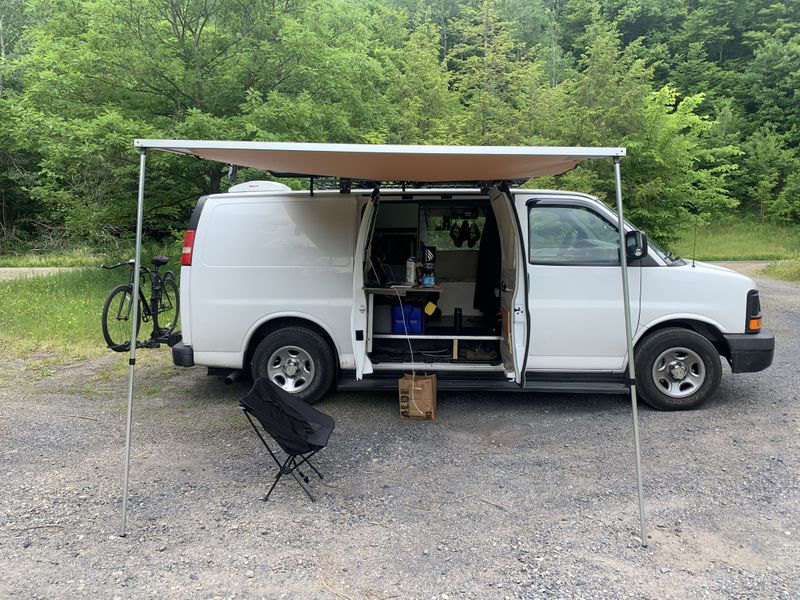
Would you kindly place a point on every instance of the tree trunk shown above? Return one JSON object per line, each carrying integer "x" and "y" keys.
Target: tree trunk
{"x": 214, "y": 179}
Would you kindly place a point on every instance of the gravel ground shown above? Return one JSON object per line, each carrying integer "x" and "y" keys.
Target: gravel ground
{"x": 503, "y": 496}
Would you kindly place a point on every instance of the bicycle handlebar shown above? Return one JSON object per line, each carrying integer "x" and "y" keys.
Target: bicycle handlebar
{"x": 122, "y": 264}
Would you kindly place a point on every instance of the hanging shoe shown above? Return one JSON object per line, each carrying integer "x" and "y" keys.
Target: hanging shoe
{"x": 463, "y": 233}
{"x": 474, "y": 235}
{"x": 455, "y": 235}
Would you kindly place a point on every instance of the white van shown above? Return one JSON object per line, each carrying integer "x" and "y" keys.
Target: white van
{"x": 315, "y": 289}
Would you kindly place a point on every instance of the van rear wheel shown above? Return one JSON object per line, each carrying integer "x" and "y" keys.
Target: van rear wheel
{"x": 677, "y": 369}
{"x": 296, "y": 359}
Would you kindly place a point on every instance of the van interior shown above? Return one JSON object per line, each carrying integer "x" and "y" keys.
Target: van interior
{"x": 452, "y": 312}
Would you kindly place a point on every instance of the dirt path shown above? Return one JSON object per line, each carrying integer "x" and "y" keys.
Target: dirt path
{"x": 751, "y": 268}
{"x": 7, "y": 273}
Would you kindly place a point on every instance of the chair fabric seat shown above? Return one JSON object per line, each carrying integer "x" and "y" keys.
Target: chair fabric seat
{"x": 297, "y": 427}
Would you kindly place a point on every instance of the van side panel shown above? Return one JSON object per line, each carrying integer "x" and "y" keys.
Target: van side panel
{"x": 259, "y": 257}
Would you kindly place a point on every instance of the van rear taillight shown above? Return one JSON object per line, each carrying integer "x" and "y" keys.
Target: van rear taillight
{"x": 188, "y": 248}
{"x": 753, "y": 317}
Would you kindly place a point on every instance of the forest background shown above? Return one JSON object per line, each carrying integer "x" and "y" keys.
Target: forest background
{"x": 703, "y": 93}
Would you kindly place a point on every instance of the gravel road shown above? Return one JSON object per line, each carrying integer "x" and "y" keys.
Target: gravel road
{"x": 503, "y": 496}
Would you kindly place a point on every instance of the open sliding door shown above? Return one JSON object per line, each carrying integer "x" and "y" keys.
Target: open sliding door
{"x": 360, "y": 314}
{"x": 513, "y": 286}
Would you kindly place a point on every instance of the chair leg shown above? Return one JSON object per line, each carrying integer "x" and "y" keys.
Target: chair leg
{"x": 300, "y": 483}
{"x": 272, "y": 487}
{"x": 281, "y": 472}
{"x": 313, "y": 468}
{"x": 307, "y": 460}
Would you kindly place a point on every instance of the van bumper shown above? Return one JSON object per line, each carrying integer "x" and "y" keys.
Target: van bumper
{"x": 750, "y": 352}
{"x": 182, "y": 355}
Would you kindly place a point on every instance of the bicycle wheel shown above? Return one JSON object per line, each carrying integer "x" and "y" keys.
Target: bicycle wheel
{"x": 117, "y": 315}
{"x": 168, "y": 313}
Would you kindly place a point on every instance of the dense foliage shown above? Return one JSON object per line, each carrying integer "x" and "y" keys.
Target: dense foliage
{"x": 704, "y": 93}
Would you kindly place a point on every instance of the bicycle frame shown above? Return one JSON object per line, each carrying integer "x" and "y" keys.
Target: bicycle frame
{"x": 152, "y": 308}
{"x": 155, "y": 293}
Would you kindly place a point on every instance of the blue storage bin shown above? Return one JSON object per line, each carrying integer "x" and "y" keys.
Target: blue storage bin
{"x": 413, "y": 318}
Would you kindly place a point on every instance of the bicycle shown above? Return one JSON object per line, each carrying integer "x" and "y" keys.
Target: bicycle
{"x": 163, "y": 308}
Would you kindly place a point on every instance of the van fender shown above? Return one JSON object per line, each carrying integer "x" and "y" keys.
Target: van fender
{"x": 292, "y": 315}
{"x": 676, "y": 319}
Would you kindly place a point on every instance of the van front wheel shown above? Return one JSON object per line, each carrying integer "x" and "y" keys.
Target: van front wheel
{"x": 677, "y": 369}
{"x": 298, "y": 360}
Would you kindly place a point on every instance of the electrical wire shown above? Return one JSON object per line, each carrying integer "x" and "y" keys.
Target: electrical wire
{"x": 411, "y": 350}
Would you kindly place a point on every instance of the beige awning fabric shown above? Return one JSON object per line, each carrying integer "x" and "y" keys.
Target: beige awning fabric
{"x": 390, "y": 162}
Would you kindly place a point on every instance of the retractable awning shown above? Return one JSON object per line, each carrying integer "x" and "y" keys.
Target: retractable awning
{"x": 388, "y": 162}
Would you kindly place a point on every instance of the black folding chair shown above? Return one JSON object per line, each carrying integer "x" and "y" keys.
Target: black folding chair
{"x": 299, "y": 429}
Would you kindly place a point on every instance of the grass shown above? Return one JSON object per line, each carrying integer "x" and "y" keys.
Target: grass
{"x": 68, "y": 258}
{"x": 55, "y": 314}
{"x": 57, "y": 317}
{"x": 740, "y": 240}
{"x": 788, "y": 270}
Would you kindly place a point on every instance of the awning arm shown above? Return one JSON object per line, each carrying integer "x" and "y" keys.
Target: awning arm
{"x": 132, "y": 357}
{"x": 623, "y": 261}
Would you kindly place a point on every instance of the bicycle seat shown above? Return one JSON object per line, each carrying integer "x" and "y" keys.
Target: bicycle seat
{"x": 160, "y": 261}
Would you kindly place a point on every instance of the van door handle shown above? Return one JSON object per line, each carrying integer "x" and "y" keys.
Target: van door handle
{"x": 504, "y": 287}
{"x": 362, "y": 309}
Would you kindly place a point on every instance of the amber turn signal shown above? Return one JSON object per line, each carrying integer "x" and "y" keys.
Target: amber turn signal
{"x": 754, "y": 325}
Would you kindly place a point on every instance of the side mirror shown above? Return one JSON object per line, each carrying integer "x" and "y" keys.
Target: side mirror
{"x": 635, "y": 245}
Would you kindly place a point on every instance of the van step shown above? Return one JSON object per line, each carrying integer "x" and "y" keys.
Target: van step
{"x": 461, "y": 382}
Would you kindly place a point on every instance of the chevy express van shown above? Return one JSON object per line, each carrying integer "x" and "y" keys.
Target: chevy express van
{"x": 523, "y": 291}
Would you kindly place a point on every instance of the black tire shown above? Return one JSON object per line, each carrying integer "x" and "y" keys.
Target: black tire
{"x": 677, "y": 369}
{"x": 298, "y": 359}
{"x": 116, "y": 320}
{"x": 166, "y": 318}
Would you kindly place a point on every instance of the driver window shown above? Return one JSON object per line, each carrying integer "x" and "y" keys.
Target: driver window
{"x": 571, "y": 235}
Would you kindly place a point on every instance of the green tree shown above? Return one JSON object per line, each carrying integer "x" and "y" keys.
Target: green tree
{"x": 672, "y": 165}
{"x": 770, "y": 85}
{"x": 766, "y": 164}
{"x": 421, "y": 105}
{"x": 488, "y": 77}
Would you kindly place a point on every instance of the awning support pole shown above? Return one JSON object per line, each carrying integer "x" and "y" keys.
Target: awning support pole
{"x": 132, "y": 355}
{"x": 629, "y": 338}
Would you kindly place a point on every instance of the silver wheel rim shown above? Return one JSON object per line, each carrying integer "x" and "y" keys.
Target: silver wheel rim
{"x": 678, "y": 372}
{"x": 292, "y": 368}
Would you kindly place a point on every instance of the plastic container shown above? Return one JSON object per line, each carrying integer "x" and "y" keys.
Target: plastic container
{"x": 411, "y": 270}
{"x": 428, "y": 280}
{"x": 413, "y": 319}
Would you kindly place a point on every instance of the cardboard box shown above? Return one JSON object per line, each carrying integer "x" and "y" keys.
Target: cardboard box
{"x": 422, "y": 403}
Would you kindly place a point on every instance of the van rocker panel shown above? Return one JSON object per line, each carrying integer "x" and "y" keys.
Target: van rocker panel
{"x": 465, "y": 381}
